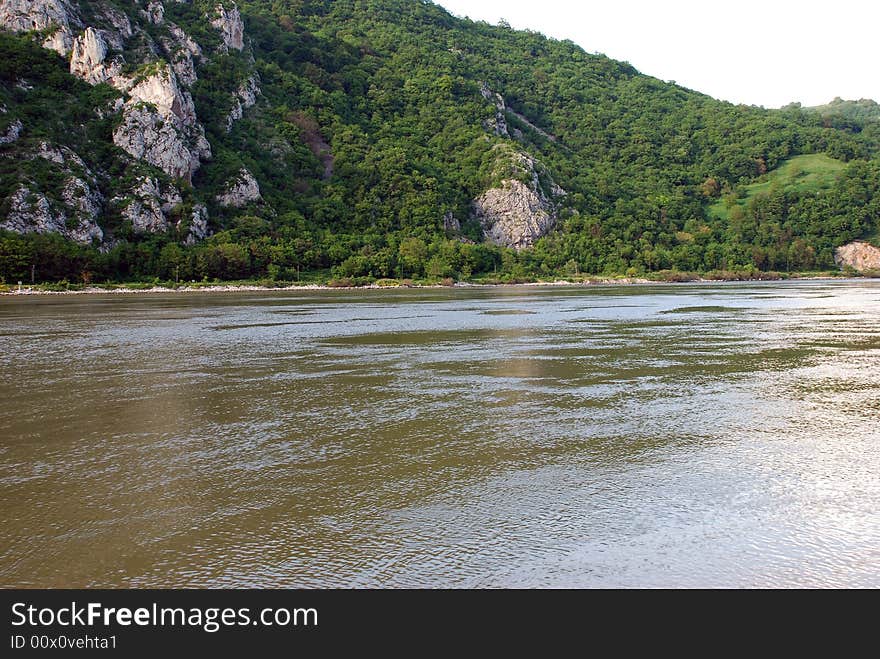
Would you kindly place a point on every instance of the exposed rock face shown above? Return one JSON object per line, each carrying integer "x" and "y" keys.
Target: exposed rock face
{"x": 858, "y": 255}
{"x": 245, "y": 97}
{"x": 72, "y": 211}
{"x": 12, "y": 133}
{"x": 517, "y": 214}
{"x": 27, "y": 15}
{"x": 87, "y": 60}
{"x": 198, "y": 225}
{"x": 117, "y": 28}
{"x": 230, "y": 25}
{"x": 61, "y": 41}
{"x": 498, "y": 125}
{"x": 85, "y": 205}
{"x": 450, "y": 223}
{"x": 32, "y": 212}
{"x": 240, "y": 191}
{"x": 63, "y": 156}
{"x": 147, "y": 206}
{"x": 155, "y": 12}
{"x": 513, "y": 215}
{"x": 145, "y": 135}
{"x": 162, "y": 91}
{"x": 159, "y": 126}
{"x": 183, "y": 53}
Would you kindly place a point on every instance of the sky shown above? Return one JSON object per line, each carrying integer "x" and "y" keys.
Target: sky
{"x": 769, "y": 52}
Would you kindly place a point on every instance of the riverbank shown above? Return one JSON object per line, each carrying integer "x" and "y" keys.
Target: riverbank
{"x": 385, "y": 284}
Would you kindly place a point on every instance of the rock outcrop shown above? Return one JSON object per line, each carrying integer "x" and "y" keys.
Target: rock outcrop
{"x": 859, "y": 256}
{"x": 117, "y": 27}
{"x": 198, "y": 225}
{"x": 519, "y": 211}
{"x": 183, "y": 53}
{"x": 513, "y": 215}
{"x": 450, "y": 223}
{"x": 28, "y": 15}
{"x": 240, "y": 191}
{"x": 84, "y": 205}
{"x": 161, "y": 90}
{"x": 498, "y": 124}
{"x": 155, "y": 12}
{"x": 159, "y": 126}
{"x": 147, "y": 205}
{"x": 74, "y": 216}
{"x": 12, "y": 133}
{"x": 230, "y": 25}
{"x": 71, "y": 208}
{"x": 63, "y": 156}
{"x": 88, "y": 59}
{"x": 245, "y": 97}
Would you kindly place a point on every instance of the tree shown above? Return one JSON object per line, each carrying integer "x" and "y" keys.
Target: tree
{"x": 412, "y": 254}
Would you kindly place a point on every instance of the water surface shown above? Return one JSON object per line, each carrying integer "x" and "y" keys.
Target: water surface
{"x": 678, "y": 435}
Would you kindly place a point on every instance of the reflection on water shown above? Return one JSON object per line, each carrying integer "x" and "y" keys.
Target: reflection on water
{"x": 695, "y": 435}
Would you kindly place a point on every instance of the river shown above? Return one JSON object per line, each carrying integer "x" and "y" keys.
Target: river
{"x": 695, "y": 435}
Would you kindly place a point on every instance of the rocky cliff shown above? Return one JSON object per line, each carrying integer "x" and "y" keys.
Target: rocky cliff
{"x": 240, "y": 191}
{"x": 153, "y": 63}
{"x": 58, "y": 18}
{"x": 159, "y": 125}
{"x": 860, "y": 256}
{"x": 228, "y": 21}
{"x": 245, "y": 97}
{"x": 72, "y": 209}
{"x": 522, "y": 207}
{"x": 88, "y": 59}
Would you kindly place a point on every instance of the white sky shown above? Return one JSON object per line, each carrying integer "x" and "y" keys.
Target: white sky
{"x": 758, "y": 52}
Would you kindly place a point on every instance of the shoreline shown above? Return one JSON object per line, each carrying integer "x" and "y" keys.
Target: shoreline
{"x": 28, "y": 291}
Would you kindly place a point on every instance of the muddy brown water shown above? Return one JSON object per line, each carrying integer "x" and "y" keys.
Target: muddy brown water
{"x": 679, "y": 435}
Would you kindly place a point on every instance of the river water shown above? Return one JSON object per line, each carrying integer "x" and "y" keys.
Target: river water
{"x": 675, "y": 435}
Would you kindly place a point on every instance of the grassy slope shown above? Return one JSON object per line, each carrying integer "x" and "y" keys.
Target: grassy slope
{"x": 808, "y": 173}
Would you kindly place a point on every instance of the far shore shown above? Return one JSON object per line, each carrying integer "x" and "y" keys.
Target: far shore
{"x": 124, "y": 289}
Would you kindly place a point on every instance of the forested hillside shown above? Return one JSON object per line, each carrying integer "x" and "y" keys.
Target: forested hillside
{"x": 367, "y": 139}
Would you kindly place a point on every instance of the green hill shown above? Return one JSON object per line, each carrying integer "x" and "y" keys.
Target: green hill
{"x": 801, "y": 175}
{"x": 387, "y": 138}
{"x": 849, "y": 115}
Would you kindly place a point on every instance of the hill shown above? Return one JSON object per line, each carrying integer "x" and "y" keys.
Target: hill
{"x": 387, "y": 138}
{"x": 810, "y": 174}
{"x": 854, "y": 116}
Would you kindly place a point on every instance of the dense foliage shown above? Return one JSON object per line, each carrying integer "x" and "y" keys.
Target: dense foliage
{"x": 371, "y": 127}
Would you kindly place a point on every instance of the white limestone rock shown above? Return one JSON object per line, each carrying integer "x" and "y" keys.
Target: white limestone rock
{"x": 183, "y": 53}
{"x": 451, "y": 223}
{"x": 858, "y": 255}
{"x": 29, "y": 15}
{"x": 84, "y": 206}
{"x": 12, "y": 133}
{"x": 245, "y": 97}
{"x": 230, "y": 25}
{"x": 159, "y": 125}
{"x": 64, "y": 156}
{"x": 198, "y": 225}
{"x": 147, "y": 205}
{"x": 517, "y": 213}
{"x": 240, "y": 191}
{"x": 61, "y": 41}
{"x": 146, "y": 135}
{"x": 88, "y": 59}
{"x": 154, "y": 12}
{"x": 161, "y": 90}
{"x": 116, "y": 27}
{"x": 498, "y": 124}
{"x": 31, "y": 212}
